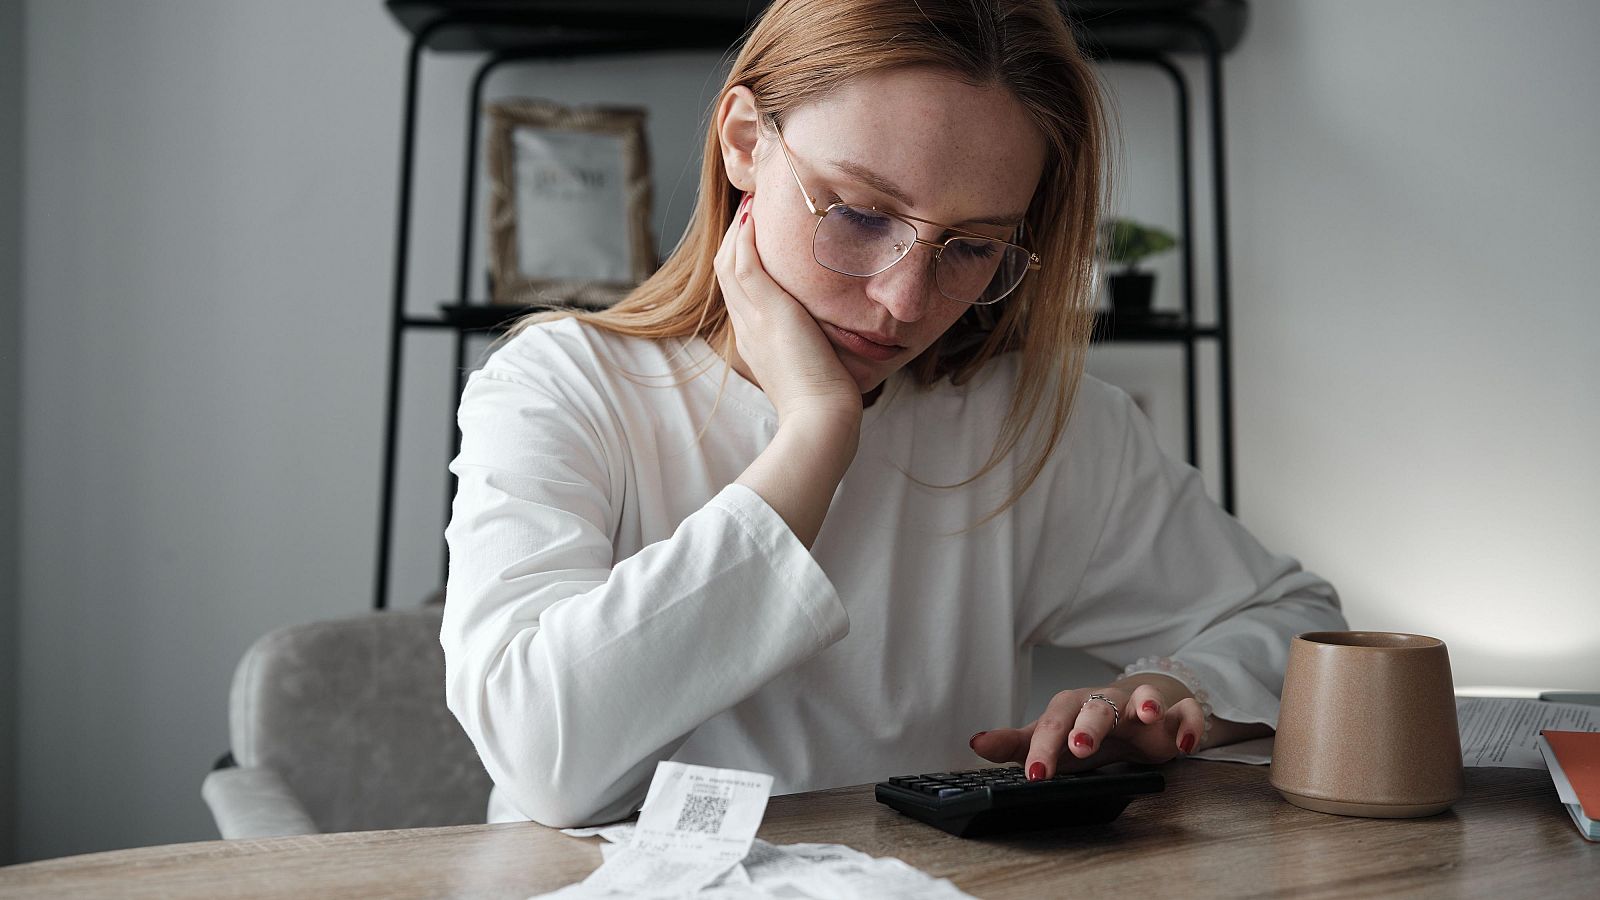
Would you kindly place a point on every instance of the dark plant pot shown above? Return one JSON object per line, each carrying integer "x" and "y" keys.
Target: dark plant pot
{"x": 1131, "y": 293}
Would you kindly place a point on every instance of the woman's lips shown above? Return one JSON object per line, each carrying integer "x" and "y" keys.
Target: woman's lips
{"x": 862, "y": 346}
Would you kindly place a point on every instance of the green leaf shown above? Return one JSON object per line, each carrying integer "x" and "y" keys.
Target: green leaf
{"x": 1126, "y": 242}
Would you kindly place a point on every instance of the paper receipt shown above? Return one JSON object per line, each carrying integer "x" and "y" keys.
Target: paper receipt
{"x": 697, "y": 823}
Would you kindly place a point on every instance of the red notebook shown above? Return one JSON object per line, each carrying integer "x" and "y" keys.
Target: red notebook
{"x": 1578, "y": 754}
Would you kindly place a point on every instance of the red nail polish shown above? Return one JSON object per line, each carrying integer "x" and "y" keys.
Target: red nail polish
{"x": 1187, "y": 744}
{"x": 1036, "y": 772}
{"x": 973, "y": 743}
{"x": 743, "y": 216}
{"x": 1150, "y": 707}
{"x": 1082, "y": 740}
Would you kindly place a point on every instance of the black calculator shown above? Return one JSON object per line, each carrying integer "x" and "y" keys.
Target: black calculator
{"x": 996, "y": 800}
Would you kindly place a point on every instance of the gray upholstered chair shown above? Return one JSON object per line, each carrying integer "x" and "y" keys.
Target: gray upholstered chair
{"x": 342, "y": 726}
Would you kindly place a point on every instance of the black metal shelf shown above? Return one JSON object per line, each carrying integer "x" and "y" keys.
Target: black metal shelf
{"x": 506, "y": 31}
{"x": 488, "y": 26}
{"x": 1109, "y": 327}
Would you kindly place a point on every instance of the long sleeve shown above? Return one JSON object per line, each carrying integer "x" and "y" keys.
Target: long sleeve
{"x": 1174, "y": 576}
{"x": 572, "y": 671}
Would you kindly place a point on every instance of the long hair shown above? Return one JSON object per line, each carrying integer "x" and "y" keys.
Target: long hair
{"x": 798, "y": 52}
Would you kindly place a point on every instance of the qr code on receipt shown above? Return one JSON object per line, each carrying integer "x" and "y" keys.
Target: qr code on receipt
{"x": 703, "y": 811}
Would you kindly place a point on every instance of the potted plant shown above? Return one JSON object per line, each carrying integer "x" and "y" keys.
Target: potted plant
{"x": 1125, "y": 243}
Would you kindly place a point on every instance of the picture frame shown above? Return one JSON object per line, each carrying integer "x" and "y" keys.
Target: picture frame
{"x": 569, "y": 204}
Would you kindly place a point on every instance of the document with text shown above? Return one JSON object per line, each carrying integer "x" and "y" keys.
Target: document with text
{"x": 1497, "y": 731}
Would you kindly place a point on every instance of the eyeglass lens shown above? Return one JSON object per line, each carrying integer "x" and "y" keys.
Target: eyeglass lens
{"x": 856, "y": 241}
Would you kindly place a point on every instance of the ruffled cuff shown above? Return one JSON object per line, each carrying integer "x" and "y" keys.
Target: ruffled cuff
{"x": 1189, "y": 678}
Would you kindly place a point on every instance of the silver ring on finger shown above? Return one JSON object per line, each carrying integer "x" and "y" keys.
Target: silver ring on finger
{"x": 1116, "y": 713}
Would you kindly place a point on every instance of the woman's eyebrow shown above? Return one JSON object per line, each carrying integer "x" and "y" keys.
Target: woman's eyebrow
{"x": 889, "y": 189}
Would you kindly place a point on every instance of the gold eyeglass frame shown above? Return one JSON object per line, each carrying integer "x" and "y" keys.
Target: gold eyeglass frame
{"x": 1034, "y": 264}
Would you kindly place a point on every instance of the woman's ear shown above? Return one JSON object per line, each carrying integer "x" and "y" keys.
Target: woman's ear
{"x": 738, "y": 127}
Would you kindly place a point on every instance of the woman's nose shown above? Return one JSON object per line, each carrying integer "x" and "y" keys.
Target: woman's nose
{"x": 906, "y": 289}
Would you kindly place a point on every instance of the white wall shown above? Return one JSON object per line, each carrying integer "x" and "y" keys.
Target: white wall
{"x": 208, "y": 209}
{"x": 1414, "y": 189}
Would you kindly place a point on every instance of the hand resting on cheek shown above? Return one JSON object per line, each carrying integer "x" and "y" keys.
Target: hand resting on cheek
{"x": 777, "y": 338}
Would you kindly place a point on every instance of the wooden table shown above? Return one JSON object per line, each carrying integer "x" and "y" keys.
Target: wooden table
{"x": 1218, "y": 830}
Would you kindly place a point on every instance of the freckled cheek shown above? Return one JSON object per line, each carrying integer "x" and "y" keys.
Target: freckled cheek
{"x": 785, "y": 247}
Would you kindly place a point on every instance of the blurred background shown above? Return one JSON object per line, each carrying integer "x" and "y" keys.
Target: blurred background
{"x": 197, "y": 207}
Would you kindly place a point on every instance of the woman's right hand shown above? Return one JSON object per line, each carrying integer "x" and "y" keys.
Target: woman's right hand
{"x": 785, "y": 350}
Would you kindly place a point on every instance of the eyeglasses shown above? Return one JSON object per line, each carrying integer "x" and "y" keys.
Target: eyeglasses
{"x": 864, "y": 240}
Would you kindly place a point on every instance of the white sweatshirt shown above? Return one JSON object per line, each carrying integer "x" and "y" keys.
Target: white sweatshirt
{"x": 614, "y": 599}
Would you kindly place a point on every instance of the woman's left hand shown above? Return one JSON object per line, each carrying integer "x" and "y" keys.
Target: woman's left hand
{"x": 1076, "y": 733}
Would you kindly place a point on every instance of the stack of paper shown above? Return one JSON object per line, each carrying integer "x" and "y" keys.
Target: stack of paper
{"x": 1496, "y": 732}
{"x": 1504, "y": 732}
{"x": 1574, "y": 761}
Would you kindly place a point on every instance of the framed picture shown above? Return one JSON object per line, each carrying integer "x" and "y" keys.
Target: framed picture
{"x": 569, "y": 204}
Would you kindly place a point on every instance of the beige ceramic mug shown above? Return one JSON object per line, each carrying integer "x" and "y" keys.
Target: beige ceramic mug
{"x": 1368, "y": 725}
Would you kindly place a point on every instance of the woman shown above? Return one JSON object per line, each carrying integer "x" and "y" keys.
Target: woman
{"x": 805, "y": 500}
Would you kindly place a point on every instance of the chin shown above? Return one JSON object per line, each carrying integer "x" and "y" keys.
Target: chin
{"x": 867, "y": 379}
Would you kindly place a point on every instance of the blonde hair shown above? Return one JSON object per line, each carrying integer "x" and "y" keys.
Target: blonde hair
{"x": 798, "y": 52}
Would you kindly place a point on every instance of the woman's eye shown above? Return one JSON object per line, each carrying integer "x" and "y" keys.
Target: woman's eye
{"x": 976, "y": 250}
{"x": 863, "y": 218}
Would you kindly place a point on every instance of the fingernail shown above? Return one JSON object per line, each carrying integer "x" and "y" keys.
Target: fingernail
{"x": 1150, "y": 707}
{"x": 1082, "y": 740}
{"x": 1036, "y": 772}
{"x": 743, "y": 216}
{"x": 1187, "y": 744}
{"x": 974, "y": 742}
